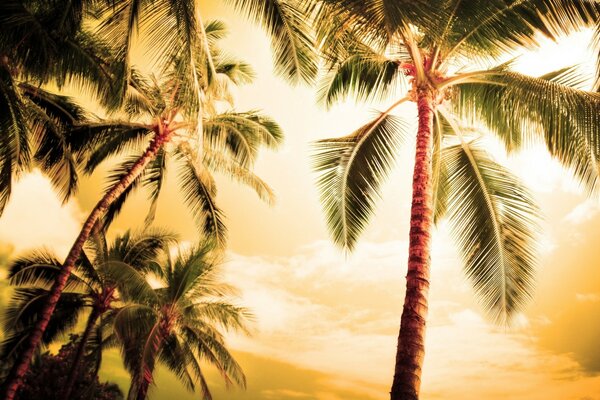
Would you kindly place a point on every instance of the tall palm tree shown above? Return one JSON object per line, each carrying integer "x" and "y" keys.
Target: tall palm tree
{"x": 105, "y": 278}
{"x": 171, "y": 111}
{"x": 446, "y": 56}
{"x": 179, "y": 325}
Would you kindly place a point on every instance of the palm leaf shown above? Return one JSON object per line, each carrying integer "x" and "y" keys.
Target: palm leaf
{"x": 199, "y": 190}
{"x": 494, "y": 220}
{"x": 287, "y": 24}
{"x": 519, "y": 109}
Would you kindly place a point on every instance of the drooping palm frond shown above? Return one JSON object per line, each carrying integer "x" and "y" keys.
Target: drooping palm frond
{"x": 231, "y": 168}
{"x": 286, "y": 22}
{"x": 352, "y": 169}
{"x": 362, "y": 73}
{"x": 381, "y": 20}
{"x": 494, "y": 220}
{"x": 153, "y": 181}
{"x": 241, "y": 134}
{"x": 137, "y": 249}
{"x": 14, "y": 142}
{"x": 518, "y": 108}
{"x": 113, "y": 178}
{"x": 22, "y": 312}
{"x": 439, "y": 172}
{"x": 107, "y": 139}
{"x": 596, "y": 46}
{"x": 199, "y": 190}
{"x": 489, "y": 29}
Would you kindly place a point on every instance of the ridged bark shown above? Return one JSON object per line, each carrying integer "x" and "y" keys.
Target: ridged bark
{"x": 76, "y": 366}
{"x": 22, "y": 364}
{"x": 411, "y": 339}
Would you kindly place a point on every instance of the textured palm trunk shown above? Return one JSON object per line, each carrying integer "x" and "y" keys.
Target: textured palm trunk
{"x": 22, "y": 365}
{"x": 76, "y": 366}
{"x": 411, "y": 340}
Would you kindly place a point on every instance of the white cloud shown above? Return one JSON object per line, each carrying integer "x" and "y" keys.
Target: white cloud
{"x": 588, "y": 297}
{"x": 321, "y": 310}
{"x": 583, "y": 212}
{"x": 35, "y": 217}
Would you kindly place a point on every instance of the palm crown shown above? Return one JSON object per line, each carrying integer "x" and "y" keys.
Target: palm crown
{"x": 229, "y": 142}
{"x": 106, "y": 277}
{"x": 178, "y": 324}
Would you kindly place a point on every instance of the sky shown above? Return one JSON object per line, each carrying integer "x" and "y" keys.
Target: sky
{"x": 326, "y": 321}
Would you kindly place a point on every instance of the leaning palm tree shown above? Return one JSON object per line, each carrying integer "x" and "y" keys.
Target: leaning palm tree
{"x": 105, "y": 278}
{"x": 178, "y": 325}
{"x": 449, "y": 58}
{"x": 165, "y": 114}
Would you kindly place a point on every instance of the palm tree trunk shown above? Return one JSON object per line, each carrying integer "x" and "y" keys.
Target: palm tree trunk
{"x": 411, "y": 339}
{"x": 22, "y": 365}
{"x": 75, "y": 367}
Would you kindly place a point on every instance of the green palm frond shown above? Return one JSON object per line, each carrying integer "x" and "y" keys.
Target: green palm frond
{"x": 119, "y": 138}
{"x": 113, "y": 178}
{"x": 596, "y": 46}
{"x": 38, "y": 269}
{"x": 131, "y": 283}
{"x": 231, "y": 168}
{"x": 241, "y": 134}
{"x": 238, "y": 72}
{"x": 519, "y": 108}
{"x": 380, "y": 21}
{"x": 494, "y": 220}
{"x": 22, "y": 312}
{"x": 118, "y": 29}
{"x": 484, "y": 29}
{"x": 153, "y": 181}
{"x": 363, "y": 74}
{"x": 210, "y": 347}
{"x": 14, "y": 142}
{"x": 286, "y": 22}
{"x": 439, "y": 172}
{"x": 352, "y": 169}
{"x": 199, "y": 189}
{"x": 137, "y": 249}
{"x": 175, "y": 355}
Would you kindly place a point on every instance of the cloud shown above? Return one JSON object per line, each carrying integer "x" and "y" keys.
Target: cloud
{"x": 583, "y": 212}
{"x": 35, "y": 217}
{"x": 588, "y": 297}
{"x": 339, "y": 315}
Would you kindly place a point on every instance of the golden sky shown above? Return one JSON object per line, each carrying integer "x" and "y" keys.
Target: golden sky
{"x": 327, "y": 322}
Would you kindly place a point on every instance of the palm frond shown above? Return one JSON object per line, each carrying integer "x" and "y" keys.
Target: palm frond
{"x": 286, "y": 22}
{"x": 494, "y": 220}
{"x": 363, "y": 74}
{"x": 352, "y": 169}
{"x": 439, "y": 170}
{"x": 199, "y": 189}
{"x": 14, "y": 143}
{"x": 241, "y": 134}
{"x": 484, "y": 29}
{"x": 217, "y": 162}
{"x": 154, "y": 178}
{"x": 518, "y": 108}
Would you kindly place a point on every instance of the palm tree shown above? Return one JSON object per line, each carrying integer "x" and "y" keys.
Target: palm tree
{"x": 447, "y": 57}
{"x": 178, "y": 325}
{"x": 41, "y": 45}
{"x": 167, "y": 111}
{"x": 105, "y": 278}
